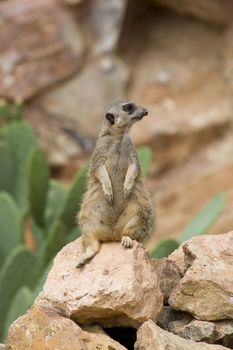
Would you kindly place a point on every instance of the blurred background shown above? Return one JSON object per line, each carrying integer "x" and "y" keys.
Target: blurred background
{"x": 68, "y": 59}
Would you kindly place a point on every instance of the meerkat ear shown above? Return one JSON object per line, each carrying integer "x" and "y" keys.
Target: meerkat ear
{"x": 110, "y": 118}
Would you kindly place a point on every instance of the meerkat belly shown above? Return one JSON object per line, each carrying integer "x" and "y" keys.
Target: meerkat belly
{"x": 117, "y": 167}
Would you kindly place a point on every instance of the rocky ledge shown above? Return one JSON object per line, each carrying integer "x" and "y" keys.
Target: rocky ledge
{"x": 123, "y": 299}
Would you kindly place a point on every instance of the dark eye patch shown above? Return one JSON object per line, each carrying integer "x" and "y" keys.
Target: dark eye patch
{"x": 129, "y": 107}
{"x": 110, "y": 118}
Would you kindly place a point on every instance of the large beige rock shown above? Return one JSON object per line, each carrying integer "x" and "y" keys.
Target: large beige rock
{"x": 41, "y": 329}
{"x": 151, "y": 337}
{"x": 104, "y": 23}
{"x": 43, "y": 53}
{"x": 188, "y": 108}
{"x": 83, "y": 99}
{"x": 206, "y": 288}
{"x": 183, "y": 191}
{"x": 216, "y": 11}
{"x": 118, "y": 287}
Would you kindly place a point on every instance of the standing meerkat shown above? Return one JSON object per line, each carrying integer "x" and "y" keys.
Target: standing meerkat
{"x": 116, "y": 206}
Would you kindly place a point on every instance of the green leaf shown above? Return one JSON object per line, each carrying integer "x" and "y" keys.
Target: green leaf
{"x": 10, "y": 225}
{"x": 145, "y": 157}
{"x": 73, "y": 200}
{"x": 38, "y": 233}
{"x": 164, "y": 248}
{"x": 73, "y": 235}
{"x": 22, "y": 140}
{"x": 42, "y": 279}
{"x": 205, "y": 218}
{"x": 21, "y": 302}
{"x": 5, "y": 112}
{"x": 18, "y": 270}
{"x": 55, "y": 241}
{"x": 55, "y": 202}
{"x": 7, "y": 167}
{"x": 10, "y": 112}
{"x": 38, "y": 174}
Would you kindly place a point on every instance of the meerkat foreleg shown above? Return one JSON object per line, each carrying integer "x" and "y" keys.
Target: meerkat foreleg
{"x": 103, "y": 177}
{"x": 131, "y": 174}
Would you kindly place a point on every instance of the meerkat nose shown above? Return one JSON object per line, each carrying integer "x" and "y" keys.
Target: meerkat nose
{"x": 145, "y": 112}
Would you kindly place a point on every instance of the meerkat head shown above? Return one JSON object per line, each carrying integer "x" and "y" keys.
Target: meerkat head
{"x": 121, "y": 115}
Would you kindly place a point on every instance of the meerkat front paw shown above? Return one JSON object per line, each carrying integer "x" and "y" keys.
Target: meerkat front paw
{"x": 127, "y": 242}
{"x": 109, "y": 194}
{"x": 127, "y": 190}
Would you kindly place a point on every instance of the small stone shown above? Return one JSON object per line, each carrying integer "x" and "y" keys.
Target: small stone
{"x": 151, "y": 337}
{"x": 168, "y": 315}
{"x": 195, "y": 330}
{"x": 224, "y": 333}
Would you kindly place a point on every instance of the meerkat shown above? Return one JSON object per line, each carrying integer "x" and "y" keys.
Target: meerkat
{"x": 116, "y": 205}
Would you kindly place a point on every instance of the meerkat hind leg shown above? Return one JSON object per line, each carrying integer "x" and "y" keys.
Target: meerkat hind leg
{"x": 128, "y": 232}
{"x": 92, "y": 249}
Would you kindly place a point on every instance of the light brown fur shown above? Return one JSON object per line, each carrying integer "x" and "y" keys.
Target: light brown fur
{"x": 116, "y": 206}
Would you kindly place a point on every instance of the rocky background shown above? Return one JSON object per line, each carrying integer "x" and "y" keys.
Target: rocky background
{"x": 68, "y": 59}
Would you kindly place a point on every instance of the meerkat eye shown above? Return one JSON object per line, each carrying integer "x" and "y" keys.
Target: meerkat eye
{"x": 110, "y": 118}
{"x": 128, "y": 108}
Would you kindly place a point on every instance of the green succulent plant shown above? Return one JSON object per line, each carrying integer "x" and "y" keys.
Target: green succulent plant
{"x": 29, "y": 195}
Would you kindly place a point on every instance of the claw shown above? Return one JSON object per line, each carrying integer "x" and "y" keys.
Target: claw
{"x": 109, "y": 198}
{"x": 80, "y": 263}
{"x": 127, "y": 242}
{"x": 127, "y": 192}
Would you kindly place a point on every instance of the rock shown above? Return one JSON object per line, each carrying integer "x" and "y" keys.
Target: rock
{"x": 61, "y": 147}
{"x": 41, "y": 55}
{"x": 227, "y": 55}
{"x": 215, "y": 11}
{"x": 183, "y": 325}
{"x": 206, "y": 288}
{"x": 71, "y": 2}
{"x": 169, "y": 276}
{"x": 224, "y": 333}
{"x": 41, "y": 329}
{"x": 195, "y": 330}
{"x": 118, "y": 287}
{"x": 168, "y": 315}
{"x": 104, "y": 22}
{"x": 83, "y": 99}
{"x": 188, "y": 108}
{"x": 183, "y": 191}
{"x": 151, "y": 337}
